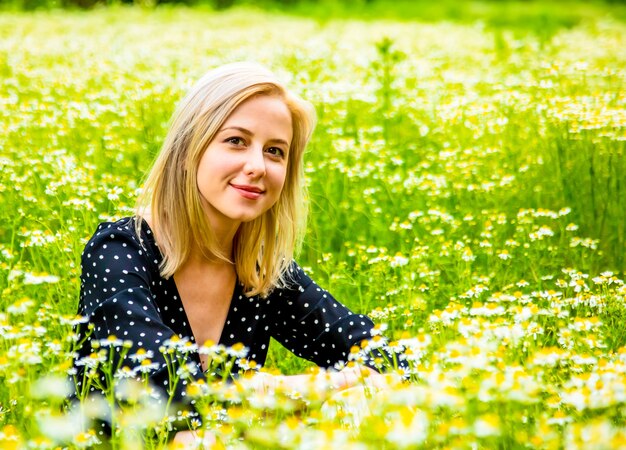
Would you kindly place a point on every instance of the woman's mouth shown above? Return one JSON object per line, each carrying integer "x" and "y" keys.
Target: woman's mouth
{"x": 247, "y": 191}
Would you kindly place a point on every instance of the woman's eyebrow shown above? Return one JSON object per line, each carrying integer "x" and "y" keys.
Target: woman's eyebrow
{"x": 243, "y": 130}
{"x": 279, "y": 141}
{"x": 250, "y": 133}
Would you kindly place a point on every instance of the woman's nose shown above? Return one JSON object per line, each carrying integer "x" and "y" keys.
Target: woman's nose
{"x": 255, "y": 163}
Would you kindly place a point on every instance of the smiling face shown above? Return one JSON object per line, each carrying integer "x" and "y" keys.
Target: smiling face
{"x": 242, "y": 171}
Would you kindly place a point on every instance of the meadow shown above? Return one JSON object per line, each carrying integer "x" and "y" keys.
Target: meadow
{"x": 467, "y": 190}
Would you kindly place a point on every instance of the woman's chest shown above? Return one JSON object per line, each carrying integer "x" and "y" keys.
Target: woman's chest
{"x": 228, "y": 321}
{"x": 206, "y": 301}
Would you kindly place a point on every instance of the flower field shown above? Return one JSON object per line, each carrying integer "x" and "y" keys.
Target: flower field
{"x": 467, "y": 190}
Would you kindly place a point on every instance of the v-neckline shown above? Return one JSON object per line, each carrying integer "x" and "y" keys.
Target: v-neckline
{"x": 227, "y": 320}
{"x": 187, "y": 324}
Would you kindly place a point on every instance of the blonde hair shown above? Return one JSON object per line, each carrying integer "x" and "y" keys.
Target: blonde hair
{"x": 263, "y": 247}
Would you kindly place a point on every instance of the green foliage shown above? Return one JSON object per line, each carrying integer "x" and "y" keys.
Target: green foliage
{"x": 466, "y": 184}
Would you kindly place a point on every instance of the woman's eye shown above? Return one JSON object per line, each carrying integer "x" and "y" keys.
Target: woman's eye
{"x": 235, "y": 141}
{"x": 275, "y": 151}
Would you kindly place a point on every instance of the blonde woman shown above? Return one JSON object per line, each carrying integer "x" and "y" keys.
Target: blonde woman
{"x": 209, "y": 254}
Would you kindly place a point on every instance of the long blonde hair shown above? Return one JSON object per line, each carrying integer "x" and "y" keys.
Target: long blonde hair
{"x": 264, "y": 247}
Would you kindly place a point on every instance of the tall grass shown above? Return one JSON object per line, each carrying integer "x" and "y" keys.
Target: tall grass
{"x": 467, "y": 191}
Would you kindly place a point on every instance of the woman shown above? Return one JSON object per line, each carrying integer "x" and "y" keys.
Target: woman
{"x": 209, "y": 254}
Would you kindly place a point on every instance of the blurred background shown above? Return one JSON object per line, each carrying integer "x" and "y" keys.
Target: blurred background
{"x": 466, "y": 179}
{"x": 493, "y": 11}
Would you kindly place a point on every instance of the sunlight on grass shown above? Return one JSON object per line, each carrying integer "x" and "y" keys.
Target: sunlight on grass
{"x": 467, "y": 187}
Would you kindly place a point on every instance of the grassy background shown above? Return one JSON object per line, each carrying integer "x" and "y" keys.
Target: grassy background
{"x": 451, "y": 111}
{"x": 463, "y": 150}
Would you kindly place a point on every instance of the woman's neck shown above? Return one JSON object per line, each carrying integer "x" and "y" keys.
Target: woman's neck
{"x": 224, "y": 236}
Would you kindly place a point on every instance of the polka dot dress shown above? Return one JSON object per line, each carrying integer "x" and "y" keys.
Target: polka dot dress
{"x": 123, "y": 294}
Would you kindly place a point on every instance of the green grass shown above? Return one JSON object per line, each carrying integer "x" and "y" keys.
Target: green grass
{"x": 466, "y": 182}
{"x": 529, "y": 15}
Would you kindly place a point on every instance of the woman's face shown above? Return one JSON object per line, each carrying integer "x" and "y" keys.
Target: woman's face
{"x": 242, "y": 171}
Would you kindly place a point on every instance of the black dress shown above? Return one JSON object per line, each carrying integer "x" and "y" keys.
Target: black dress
{"x": 124, "y": 295}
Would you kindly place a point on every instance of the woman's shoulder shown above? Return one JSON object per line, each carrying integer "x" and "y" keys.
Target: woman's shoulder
{"x": 294, "y": 278}
{"x": 123, "y": 224}
{"x": 123, "y": 233}
{"x": 126, "y": 226}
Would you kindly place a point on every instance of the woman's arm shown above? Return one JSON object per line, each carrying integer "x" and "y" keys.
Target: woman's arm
{"x": 117, "y": 297}
{"x": 311, "y": 323}
{"x": 344, "y": 379}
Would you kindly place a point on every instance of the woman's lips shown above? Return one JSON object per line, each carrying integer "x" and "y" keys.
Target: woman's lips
{"x": 249, "y": 192}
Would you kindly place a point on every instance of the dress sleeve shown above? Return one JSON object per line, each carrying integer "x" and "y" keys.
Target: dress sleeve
{"x": 116, "y": 297}
{"x": 312, "y": 324}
